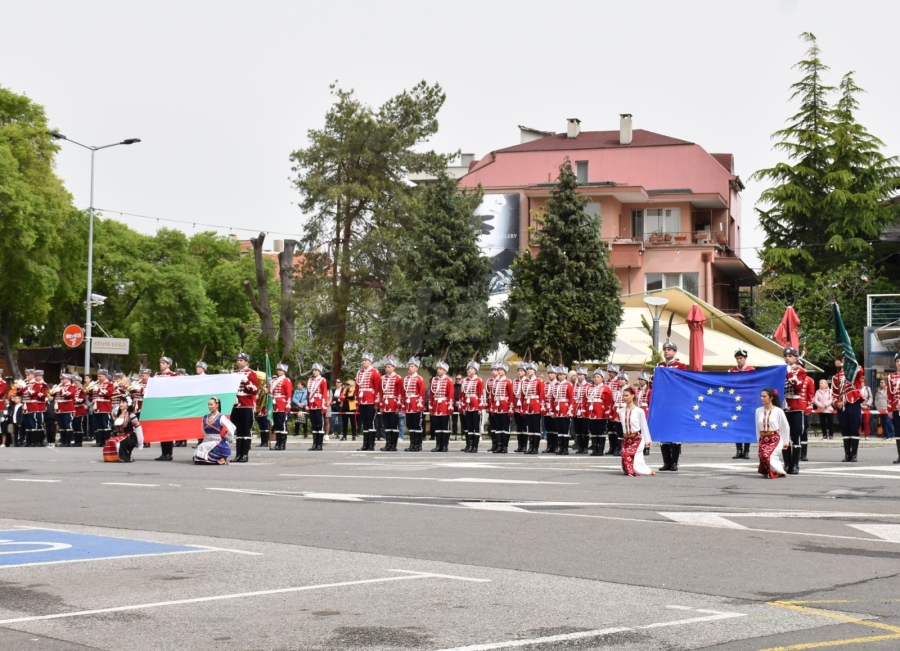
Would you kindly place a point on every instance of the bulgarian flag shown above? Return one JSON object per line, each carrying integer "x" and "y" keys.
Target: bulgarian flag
{"x": 174, "y": 406}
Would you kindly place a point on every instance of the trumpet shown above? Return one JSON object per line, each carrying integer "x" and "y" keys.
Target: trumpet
{"x": 54, "y": 389}
{"x": 19, "y": 384}
{"x": 135, "y": 386}
{"x": 90, "y": 386}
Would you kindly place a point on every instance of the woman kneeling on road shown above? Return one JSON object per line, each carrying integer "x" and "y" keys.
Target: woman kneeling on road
{"x": 218, "y": 433}
{"x": 635, "y": 436}
{"x": 772, "y": 434}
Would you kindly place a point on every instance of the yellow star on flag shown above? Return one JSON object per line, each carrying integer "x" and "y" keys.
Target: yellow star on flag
{"x": 734, "y": 417}
{"x": 713, "y": 426}
{"x": 721, "y": 389}
{"x": 702, "y": 423}
{"x": 725, "y": 424}
{"x": 731, "y": 392}
{"x": 737, "y": 399}
{"x": 710, "y": 392}
{"x": 696, "y": 407}
{"x": 696, "y": 416}
{"x": 738, "y": 408}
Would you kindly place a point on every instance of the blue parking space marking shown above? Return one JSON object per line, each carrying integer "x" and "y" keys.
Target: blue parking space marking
{"x": 43, "y": 546}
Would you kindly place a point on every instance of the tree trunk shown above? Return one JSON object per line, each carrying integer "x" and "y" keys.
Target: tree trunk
{"x": 288, "y": 313}
{"x": 262, "y": 307}
{"x": 341, "y": 301}
{"x": 11, "y": 364}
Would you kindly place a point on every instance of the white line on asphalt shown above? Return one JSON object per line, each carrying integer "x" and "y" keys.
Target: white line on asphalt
{"x": 103, "y": 558}
{"x": 409, "y": 576}
{"x": 889, "y": 532}
{"x": 462, "y": 480}
{"x": 21, "y": 526}
{"x": 714, "y": 615}
{"x": 702, "y": 519}
{"x": 492, "y": 506}
{"x": 122, "y": 483}
{"x": 42, "y": 481}
{"x": 224, "y": 549}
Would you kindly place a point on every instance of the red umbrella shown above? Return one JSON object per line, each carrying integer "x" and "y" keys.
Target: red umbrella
{"x": 788, "y": 332}
{"x": 695, "y": 321}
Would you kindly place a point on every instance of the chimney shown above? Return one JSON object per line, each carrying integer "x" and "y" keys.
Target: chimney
{"x": 278, "y": 246}
{"x": 233, "y": 237}
{"x": 466, "y": 160}
{"x": 625, "y": 128}
{"x": 574, "y": 128}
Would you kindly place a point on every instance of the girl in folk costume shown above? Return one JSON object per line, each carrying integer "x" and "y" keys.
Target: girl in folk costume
{"x": 472, "y": 403}
{"x": 599, "y": 400}
{"x": 129, "y": 434}
{"x": 391, "y": 395}
{"x": 218, "y": 433}
{"x": 414, "y": 404}
{"x": 893, "y": 400}
{"x": 441, "y": 406}
{"x": 281, "y": 389}
{"x": 635, "y": 435}
{"x": 368, "y": 395}
{"x": 772, "y": 435}
{"x": 316, "y": 405}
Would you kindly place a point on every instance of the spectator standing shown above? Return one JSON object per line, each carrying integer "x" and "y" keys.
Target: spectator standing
{"x": 823, "y": 400}
{"x": 867, "y": 403}
{"x": 348, "y": 406}
{"x": 298, "y": 406}
{"x": 881, "y": 404}
{"x": 335, "y": 420}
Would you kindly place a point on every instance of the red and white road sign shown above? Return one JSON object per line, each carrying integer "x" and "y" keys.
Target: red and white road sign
{"x": 73, "y": 336}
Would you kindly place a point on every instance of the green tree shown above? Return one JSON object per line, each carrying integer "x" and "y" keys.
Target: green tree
{"x": 564, "y": 302}
{"x": 33, "y": 206}
{"x": 352, "y": 182}
{"x": 438, "y": 300}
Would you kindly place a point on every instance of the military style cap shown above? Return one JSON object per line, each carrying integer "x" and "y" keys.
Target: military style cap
{"x": 740, "y": 352}
{"x": 495, "y": 366}
{"x": 180, "y": 371}
{"x": 414, "y": 361}
{"x": 281, "y": 367}
{"x": 29, "y": 371}
{"x": 623, "y": 376}
{"x": 317, "y": 367}
{"x": 103, "y": 372}
{"x": 670, "y": 346}
{"x": 644, "y": 375}
{"x": 562, "y": 370}
{"x": 39, "y": 372}
{"x": 75, "y": 377}
{"x": 201, "y": 364}
{"x": 791, "y": 351}
{"x": 165, "y": 360}
{"x": 368, "y": 356}
{"x": 224, "y": 372}
{"x": 244, "y": 356}
{"x": 502, "y": 366}
{"x": 146, "y": 371}
{"x": 581, "y": 370}
{"x": 612, "y": 368}
{"x": 390, "y": 361}
{"x": 442, "y": 364}
{"x": 598, "y": 371}
{"x": 473, "y": 364}
{"x": 551, "y": 368}
{"x": 523, "y": 366}
{"x": 118, "y": 374}
{"x": 897, "y": 356}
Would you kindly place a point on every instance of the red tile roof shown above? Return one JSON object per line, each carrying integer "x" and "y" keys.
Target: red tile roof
{"x": 726, "y": 161}
{"x": 595, "y": 140}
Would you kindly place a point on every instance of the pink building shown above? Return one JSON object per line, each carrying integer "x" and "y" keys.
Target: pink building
{"x": 670, "y": 210}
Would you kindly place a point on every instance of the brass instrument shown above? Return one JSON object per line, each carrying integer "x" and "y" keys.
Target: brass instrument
{"x": 263, "y": 394}
{"x": 90, "y": 386}
{"x": 134, "y": 386}
{"x": 54, "y": 389}
{"x": 19, "y": 384}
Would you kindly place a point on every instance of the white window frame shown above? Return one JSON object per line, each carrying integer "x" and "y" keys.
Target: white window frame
{"x": 662, "y": 220}
{"x": 673, "y": 279}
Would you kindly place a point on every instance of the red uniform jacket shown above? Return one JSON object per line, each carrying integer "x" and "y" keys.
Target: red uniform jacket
{"x": 893, "y": 392}
{"x": 550, "y": 397}
{"x": 80, "y": 399}
{"x": 518, "y": 402}
{"x": 101, "y": 397}
{"x": 249, "y": 387}
{"x": 281, "y": 391}
{"x": 3, "y": 388}
{"x": 600, "y": 401}
{"x": 392, "y": 393}
{"x": 673, "y": 364}
{"x": 171, "y": 373}
{"x": 414, "y": 394}
{"x": 735, "y": 369}
{"x": 368, "y": 386}
{"x": 472, "y": 398}
{"x": 137, "y": 396}
{"x": 316, "y": 394}
{"x": 564, "y": 399}
{"x": 579, "y": 395}
{"x": 441, "y": 396}
{"x": 794, "y": 391}
{"x": 534, "y": 401}
{"x": 642, "y": 398}
{"x": 501, "y": 396}
{"x": 809, "y": 392}
{"x": 65, "y": 399}
{"x": 34, "y": 397}
{"x": 844, "y": 392}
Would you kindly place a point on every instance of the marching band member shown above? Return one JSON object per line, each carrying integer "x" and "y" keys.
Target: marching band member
{"x": 564, "y": 409}
{"x": 80, "y": 416}
{"x": 244, "y": 406}
{"x": 519, "y": 409}
{"x": 368, "y": 390}
{"x": 281, "y": 389}
{"x": 34, "y": 399}
{"x": 391, "y": 395}
{"x": 101, "y": 400}
{"x": 501, "y": 399}
{"x": 741, "y": 366}
{"x": 65, "y": 409}
{"x": 317, "y": 405}
{"x": 809, "y": 394}
{"x": 795, "y": 404}
{"x": 138, "y": 389}
{"x": 414, "y": 404}
{"x": 670, "y": 451}
{"x": 599, "y": 406}
{"x": 533, "y": 404}
{"x": 472, "y": 403}
{"x": 772, "y": 432}
{"x": 441, "y": 406}
{"x": 848, "y": 403}
{"x": 635, "y": 435}
{"x": 261, "y": 416}
{"x": 893, "y": 400}
{"x": 550, "y": 410}
{"x": 581, "y": 425}
{"x": 612, "y": 421}
{"x": 165, "y": 370}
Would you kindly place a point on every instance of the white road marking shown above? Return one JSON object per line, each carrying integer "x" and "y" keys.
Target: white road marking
{"x": 492, "y": 506}
{"x": 409, "y": 576}
{"x": 122, "y": 483}
{"x": 889, "y": 532}
{"x": 703, "y": 520}
{"x": 104, "y": 558}
{"x": 224, "y": 549}
{"x": 42, "y": 481}
{"x": 463, "y": 480}
{"x": 714, "y": 615}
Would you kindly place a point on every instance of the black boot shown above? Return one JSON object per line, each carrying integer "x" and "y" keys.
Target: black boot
{"x": 563, "y": 442}
{"x": 476, "y": 439}
{"x": 537, "y": 444}
{"x": 446, "y": 441}
{"x": 387, "y": 442}
{"x": 520, "y": 440}
{"x": 676, "y": 454}
{"x": 803, "y": 447}
{"x": 437, "y": 442}
{"x": 552, "y": 444}
{"x": 412, "y": 443}
{"x": 898, "y": 447}
{"x": 740, "y": 451}
{"x": 846, "y": 449}
{"x": 468, "y": 447}
{"x": 315, "y": 443}
{"x": 746, "y": 454}
{"x": 504, "y": 443}
{"x": 595, "y": 446}
{"x": 495, "y": 442}
{"x": 420, "y": 437}
{"x": 666, "y": 451}
{"x": 581, "y": 444}
{"x": 795, "y": 460}
{"x": 854, "y": 447}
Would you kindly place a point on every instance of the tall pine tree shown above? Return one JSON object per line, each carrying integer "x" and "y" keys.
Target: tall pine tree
{"x": 564, "y": 302}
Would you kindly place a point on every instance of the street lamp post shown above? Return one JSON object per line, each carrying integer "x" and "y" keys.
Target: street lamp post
{"x": 90, "y": 269}
{"x": 656, "y": 305}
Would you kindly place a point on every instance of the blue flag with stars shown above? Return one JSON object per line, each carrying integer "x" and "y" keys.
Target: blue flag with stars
{"x": 698, "y": 407}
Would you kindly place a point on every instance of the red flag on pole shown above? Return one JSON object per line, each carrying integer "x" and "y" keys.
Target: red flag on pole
{"x": 788, "y": 332}
{"x": 695, "y": 320}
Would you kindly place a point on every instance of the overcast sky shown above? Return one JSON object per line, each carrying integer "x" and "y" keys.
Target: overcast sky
{"x": 221, "y": 92}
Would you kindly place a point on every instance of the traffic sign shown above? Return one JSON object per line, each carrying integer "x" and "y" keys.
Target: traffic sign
{"x": 73, "y": 335}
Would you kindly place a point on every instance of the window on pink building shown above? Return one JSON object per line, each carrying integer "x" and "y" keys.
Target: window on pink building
{"x": 689, "y": 282}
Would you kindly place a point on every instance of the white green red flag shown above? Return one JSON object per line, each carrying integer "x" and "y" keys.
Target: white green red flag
{"x": 174, "y": 407}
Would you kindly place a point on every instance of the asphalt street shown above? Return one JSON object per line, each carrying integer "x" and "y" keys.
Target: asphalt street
{"x": 349, "y": 550}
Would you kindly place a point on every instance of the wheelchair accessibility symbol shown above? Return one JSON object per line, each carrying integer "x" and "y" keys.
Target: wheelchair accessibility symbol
{"x": 31, "y": 547}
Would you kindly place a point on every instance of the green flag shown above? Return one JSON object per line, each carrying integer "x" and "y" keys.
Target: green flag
{"x": 270, "y": 401}
{"x": 842, "y": 345}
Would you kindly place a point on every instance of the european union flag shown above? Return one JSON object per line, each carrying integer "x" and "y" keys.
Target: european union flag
{"x": 697, "y": 407}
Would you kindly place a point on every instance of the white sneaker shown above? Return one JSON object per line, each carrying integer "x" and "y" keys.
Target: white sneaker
{"x": 327, "y": 437}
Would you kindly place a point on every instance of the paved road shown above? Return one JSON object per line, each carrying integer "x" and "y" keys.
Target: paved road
{"x": 349, "y": 550}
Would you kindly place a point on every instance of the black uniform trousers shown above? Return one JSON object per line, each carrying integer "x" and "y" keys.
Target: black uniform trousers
{"x": 850, "y": 418}
{"x": 795, "y": 423}
{"x": 242, "y": 418}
